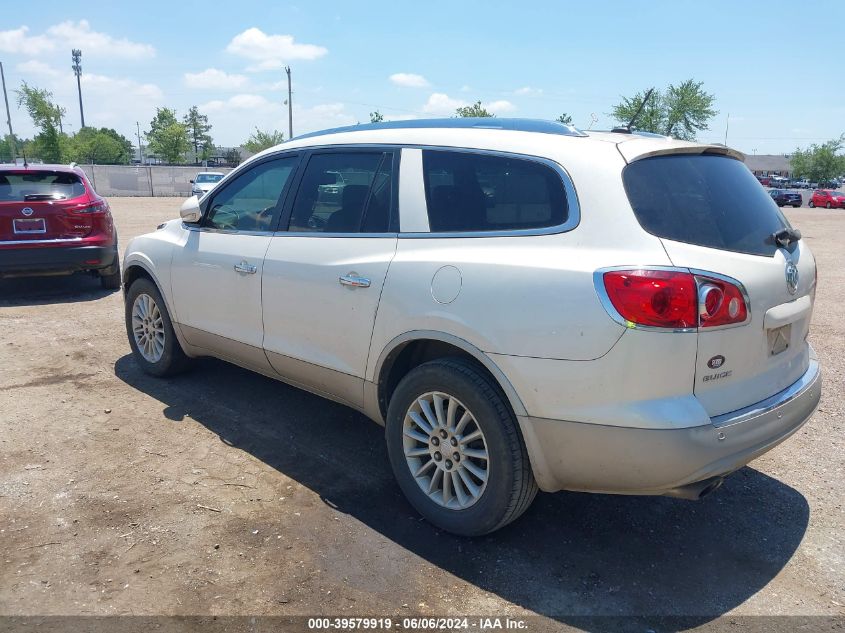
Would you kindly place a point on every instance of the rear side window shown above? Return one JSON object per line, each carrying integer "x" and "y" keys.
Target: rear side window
{"x": 39, "y": 185}
{"x": 706, "y": 200}
{"x": 482, "y": 192}
{"x": 344, "y": 192}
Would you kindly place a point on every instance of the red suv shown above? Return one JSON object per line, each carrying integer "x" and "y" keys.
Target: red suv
{"x": 53, "y": 222}
{"x": 828, "y": 198}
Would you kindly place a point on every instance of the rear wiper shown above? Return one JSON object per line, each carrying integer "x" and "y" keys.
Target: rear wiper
{"x": 785, "y": 237}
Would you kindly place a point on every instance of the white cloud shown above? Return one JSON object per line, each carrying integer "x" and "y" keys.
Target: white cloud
{"x": 271, "y": 51}
{"x": 70, "y": 34}
{"x": 528, "y": 91}
{"x": 442, "y": 104}
{"x": 499, "y": 107}
{"x": 35, "y": 67}
{"x": 466, "y": 88}
{"x": 214, "y": 79}
{"x": 409, "y": 80}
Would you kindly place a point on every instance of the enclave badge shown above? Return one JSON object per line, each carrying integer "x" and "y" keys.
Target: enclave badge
{"x": 716, "y": 362}
{"x": 27, "y": 211}
{"x": 791, "y": 278}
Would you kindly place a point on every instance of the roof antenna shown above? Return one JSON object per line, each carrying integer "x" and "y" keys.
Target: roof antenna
{"x": 25, "y": 164}
{"x": 627, "y": 128}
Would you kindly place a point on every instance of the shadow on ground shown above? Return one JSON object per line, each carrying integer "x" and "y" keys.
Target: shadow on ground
{"x": 24, "y": 291}
{"x": 570, "y": 556}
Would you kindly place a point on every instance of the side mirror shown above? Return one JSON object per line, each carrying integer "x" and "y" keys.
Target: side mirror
{"x": 191, "y": 181}
{"x": 190, "y": 210}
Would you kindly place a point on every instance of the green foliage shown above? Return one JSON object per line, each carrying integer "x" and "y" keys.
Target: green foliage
{"x": 102, "y": 146}
{"x": 565, "y": 118}
{"x": 376, "y": 117}
{"x": 167, "y": 138}
{"x": 260, "y": 140}
{"x": 818, "y": 163}
{"x": 233, "y": 157}
{"x": 474, "y": 110}
{"x": 46, "y": 116}
{"x": 680, "y": 111}
{"x": 198, "y": 133}
{"x": 10, "y": 147}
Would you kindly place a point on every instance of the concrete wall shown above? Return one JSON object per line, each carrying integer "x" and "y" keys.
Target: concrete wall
{"x": 154, "y": 180}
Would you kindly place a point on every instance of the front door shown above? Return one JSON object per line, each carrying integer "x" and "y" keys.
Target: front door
{"x": 323, "y": 276}
{"x": 216, "y": 274}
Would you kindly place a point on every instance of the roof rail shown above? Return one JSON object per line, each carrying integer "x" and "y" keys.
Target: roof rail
{"x": 72, "y": 164}
{"x": 484, "y": 123}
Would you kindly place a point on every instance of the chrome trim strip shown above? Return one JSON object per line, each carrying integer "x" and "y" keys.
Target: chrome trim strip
{"x": 70, "y": 240}
{"x": 797, "y": 389}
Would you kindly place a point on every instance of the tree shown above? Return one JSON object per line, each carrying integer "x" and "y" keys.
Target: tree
{"x": 680, "y": 111}
{"x": 46, "y": 116}
{"x": 564, "y": 118}
{"x": 103, "y": 146}
{"x": 819, "y": 163}
{"x": 376, "y": 117}
{"x": 198, "y": 133}
{"x": 233, "y": 157}
{"x": 168, "y": 139}
{"x": 260, "y": 140}
{"x": 10, "y": 147}
{"x": 474, "y": 110}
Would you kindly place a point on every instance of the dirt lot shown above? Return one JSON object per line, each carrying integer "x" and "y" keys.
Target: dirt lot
{"x": 223, "y": 492}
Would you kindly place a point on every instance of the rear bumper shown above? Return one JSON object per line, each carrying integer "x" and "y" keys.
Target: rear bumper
{"x": 623, "y": 460}
{"x": 55, "y": 260}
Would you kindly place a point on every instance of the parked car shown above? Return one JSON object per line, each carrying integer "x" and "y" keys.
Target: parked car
{"x": 778, "y": 181}
{"x": 53, "y": 222}
{"x": 764, "y": 180}
{"x": 645, "y": 336}
{"x": 803, "y": 183}
{"x": 828, "y": 199}
{"x": 204, "y": 182}
{"x": 785, "y": 198}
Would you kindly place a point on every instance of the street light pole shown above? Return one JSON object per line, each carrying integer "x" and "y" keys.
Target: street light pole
{"x": 76, "y": 55}
{"x": 8, "y": 115}
{"x": 290, "y": 106}
{"x": 140, "y": 147}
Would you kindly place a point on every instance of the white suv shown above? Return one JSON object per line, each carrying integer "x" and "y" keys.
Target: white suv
{"x": 521, "y": 304}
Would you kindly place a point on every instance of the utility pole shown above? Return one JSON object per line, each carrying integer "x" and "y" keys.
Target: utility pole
{"x": 727, "y": 124}
{"x": 140, "y": 147}
{"x": 76, "y": 55}
{"x": 8, "y": 115}
{"x": 59, "y": 116}
{"x": 290, "y": 106}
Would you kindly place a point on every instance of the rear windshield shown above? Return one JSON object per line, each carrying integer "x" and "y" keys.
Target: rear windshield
{"x": 39, "y": 185}
{"x": 209, "y": 178}
{"x": 707, "y": 200}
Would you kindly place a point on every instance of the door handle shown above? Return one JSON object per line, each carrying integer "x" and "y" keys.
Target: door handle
{"x": 247, "y": 269}
{"x": 354, "y": 281}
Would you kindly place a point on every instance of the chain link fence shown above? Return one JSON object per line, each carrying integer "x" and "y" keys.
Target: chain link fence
{"x": 144, "y": 180}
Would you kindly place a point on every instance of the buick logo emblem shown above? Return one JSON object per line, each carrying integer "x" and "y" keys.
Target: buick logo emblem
{"x": 27, "y": 211}
{"x": 716, "y": 362}
{"x": 792, "y": 278}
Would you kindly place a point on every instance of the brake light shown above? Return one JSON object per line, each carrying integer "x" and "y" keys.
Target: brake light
{"x": 674, "y": 299}
{"x": 657, "y": 298}
{"x": 98, "y": 207}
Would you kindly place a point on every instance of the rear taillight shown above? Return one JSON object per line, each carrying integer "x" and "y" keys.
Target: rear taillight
{"x": 98, "y": 207}
{"x": 674, "y": 299}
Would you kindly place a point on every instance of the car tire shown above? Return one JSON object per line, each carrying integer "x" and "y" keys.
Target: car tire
{"x": 811, "y": 204}
{"x": 503, "y": 481}
{"x": 156, "y": 348}
{"x": 112, "y": 280}
{"x": 827, "y": 206}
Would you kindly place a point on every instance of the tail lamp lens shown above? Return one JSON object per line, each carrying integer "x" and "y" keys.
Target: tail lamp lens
{"x": 674, "y": 299}
{"x": 100, "y": 206}
{"x": 657, "y": 298}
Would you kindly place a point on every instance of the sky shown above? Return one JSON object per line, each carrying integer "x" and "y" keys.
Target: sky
{"x": 774, "y": 67}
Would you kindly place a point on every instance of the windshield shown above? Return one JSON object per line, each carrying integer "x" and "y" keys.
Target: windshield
{"x": 703, "y": 199}
{"x": 208, "y": 178}
{"x": 39, "y": 185}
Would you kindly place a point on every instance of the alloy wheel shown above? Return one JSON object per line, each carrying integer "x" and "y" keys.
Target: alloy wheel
{"x": 148, "y": 328}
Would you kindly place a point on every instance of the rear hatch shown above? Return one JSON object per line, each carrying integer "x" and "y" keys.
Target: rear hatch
{"x": 35, "y": 206}
{"x": 712, "y": 215}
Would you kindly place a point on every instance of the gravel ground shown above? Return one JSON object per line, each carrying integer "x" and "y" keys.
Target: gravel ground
{"x": 225, "y": 493}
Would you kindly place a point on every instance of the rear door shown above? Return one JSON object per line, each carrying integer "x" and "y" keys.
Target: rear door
{"x": 712, "y": 216}
{"x": 34, "y": 205}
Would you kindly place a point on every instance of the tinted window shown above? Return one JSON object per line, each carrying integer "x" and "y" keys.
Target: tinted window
{"x": 707, "y": 200}
{"x": 249, "y": 202}
{"x": 39, "y": 185}
{"x": 344, "y": 192}
{"x": 481, "y": 192}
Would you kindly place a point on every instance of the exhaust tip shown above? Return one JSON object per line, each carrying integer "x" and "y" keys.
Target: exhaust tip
{"x": 697, "y": 490}
{"x": 711, "y": 487}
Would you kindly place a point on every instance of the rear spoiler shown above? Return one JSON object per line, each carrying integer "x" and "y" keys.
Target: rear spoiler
{"x": 638, "y": 148}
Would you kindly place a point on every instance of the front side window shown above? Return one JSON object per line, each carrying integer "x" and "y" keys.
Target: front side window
{"x": 250, "y": 201}
{"x": 344, "y": 192}
{"x": 482, "y": 192}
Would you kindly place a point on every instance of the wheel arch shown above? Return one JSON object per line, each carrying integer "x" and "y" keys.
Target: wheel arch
{"x": 411, "y": 349}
